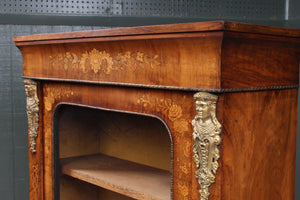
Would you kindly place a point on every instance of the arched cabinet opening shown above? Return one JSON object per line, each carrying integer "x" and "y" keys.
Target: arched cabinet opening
{"x": 109, "y": 154}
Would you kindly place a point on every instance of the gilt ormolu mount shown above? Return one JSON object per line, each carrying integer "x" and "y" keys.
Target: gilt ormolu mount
{"x": 206, "y": 135}
{"x": 32, "y": 109}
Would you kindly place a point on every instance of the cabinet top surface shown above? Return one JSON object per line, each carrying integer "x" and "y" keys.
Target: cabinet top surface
{"x": 164, "y": 29}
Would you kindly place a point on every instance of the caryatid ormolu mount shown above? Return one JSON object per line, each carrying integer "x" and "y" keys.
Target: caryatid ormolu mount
{"x": 32, "y": 109}
{"x": 206, "y": 134}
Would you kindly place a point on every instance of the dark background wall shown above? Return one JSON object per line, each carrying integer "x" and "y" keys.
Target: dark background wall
{"x": 25, "y": 17}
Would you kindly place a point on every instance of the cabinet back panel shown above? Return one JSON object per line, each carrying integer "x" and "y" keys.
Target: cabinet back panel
{"x": 131, "y": 137}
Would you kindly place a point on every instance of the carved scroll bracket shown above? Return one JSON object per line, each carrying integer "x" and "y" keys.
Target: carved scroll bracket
{"x": 206, "y": 135}
{"x": 32, "y": 109}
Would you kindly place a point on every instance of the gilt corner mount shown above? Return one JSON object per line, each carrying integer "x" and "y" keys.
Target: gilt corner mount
{"x": 206, "y": 134}
{"x": 32, "y": 109}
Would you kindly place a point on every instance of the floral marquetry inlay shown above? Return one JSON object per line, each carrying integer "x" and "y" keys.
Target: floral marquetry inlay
{"x": 52, "y": 94}
{"x": 172, "y": 110}
{"x": 102, "y": 61}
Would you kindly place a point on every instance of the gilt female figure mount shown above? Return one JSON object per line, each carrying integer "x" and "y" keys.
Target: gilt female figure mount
{"x": 206, "y": 135}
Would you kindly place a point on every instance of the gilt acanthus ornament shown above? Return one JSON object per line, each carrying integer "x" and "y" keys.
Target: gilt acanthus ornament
{"x": 206, "y": 135}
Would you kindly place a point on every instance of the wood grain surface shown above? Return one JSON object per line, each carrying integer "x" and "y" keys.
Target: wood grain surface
{"x": 258, "y": 136}
{"x": 141, "y": 139}
{"x": 168, "y": 62}
{"x": 141, "y": 30}
{"x": 36, "y": 160}
{"x": 259, "y": 145}
{"x": 259, "y": 128}
{"x": 163, "y": 29}
{"x": 75, "y": 189}
{"x": 176, "y": 109}
{"x": 254, "y": 61}
{"x": 211, "y": 59}
{"x": 125, "y": 177}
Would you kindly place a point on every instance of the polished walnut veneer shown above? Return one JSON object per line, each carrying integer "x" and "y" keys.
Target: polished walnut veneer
{"x": 246, "y": 74}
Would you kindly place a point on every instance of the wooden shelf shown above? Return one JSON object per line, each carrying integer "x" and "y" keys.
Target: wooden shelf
{"x": 125, "y": 177}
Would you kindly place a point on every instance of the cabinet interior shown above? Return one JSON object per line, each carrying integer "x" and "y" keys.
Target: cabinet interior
{"x": 82, "y": 133}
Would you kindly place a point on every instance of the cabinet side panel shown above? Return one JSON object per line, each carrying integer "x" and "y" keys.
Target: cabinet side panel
{"x": 259, "y": 145}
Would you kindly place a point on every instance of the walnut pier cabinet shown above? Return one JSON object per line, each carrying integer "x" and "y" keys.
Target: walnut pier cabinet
{"x": 186, "y": 112}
